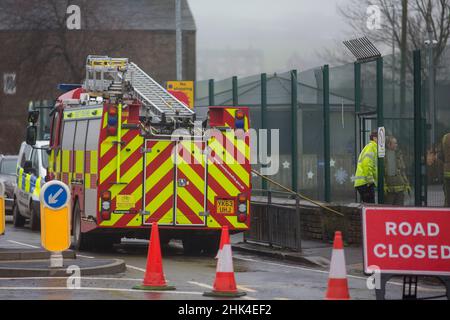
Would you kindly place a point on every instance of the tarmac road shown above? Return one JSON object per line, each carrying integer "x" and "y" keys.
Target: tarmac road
{"x": 261, "y": 278}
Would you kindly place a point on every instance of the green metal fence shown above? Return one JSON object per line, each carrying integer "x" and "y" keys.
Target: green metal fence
{"x": 325, "y": 115}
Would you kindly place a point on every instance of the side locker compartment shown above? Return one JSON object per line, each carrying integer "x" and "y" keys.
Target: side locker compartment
{"x": 91, "y": 168}
{"x": 159, "y": 187}
{"x": 190, "y": 184}
{"x": 77, "y": 181}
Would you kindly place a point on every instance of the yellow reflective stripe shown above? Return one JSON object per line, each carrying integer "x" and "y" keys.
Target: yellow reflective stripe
{"x": 190, "y": 200}
{"x": 237, "y": 168}
{"x": 19, "y": 179}
{"x": 37, "y": 187}
{"x": 65, "y": 161}
{"x": 222, "y": 179}
{"x": 159, "y": 173}
{"x": 160, "y": 198}
{"x": 129, "y": 176}
{"x": 87, "y": 180}
{"x": 211, "y": 194}
{"x": 181, "y": 218}
{"x": 58, "y": 162}
{"x": 235, "y": 223}
{"x": 106, "y": 145}
{"x": 114, "y": 219}
{"x": 28, "y": 183}
{"x": 136, "y": 221}
{"x": 94, "y": 162}
{"x": 193, "y": 177}
{"x": 212, "y": 223}
{"x": 161, "y": 146}
{"x": 79, "y": 161}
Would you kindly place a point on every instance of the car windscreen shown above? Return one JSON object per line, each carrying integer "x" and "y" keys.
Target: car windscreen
{"x": 8, "y": 166}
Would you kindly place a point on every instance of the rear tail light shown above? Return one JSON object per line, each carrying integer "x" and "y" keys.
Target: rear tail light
{"x": 240, "y": 120}
{"x": 113, "y": 120}
{"x": 242, "y": 207}
{"x": 106, "y": 205}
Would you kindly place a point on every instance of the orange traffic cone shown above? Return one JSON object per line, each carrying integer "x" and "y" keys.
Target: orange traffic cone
{"x": 337, "y": 279}
{"x": 154, "y": 275}
{"x": 225, "y": 283}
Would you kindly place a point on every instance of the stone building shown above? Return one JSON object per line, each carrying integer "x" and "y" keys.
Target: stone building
{"x": 45, "y": 42}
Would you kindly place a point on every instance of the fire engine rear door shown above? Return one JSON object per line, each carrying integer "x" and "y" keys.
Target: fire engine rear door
{"x": 190, "y": 184}
{"x": 159, "y": 186}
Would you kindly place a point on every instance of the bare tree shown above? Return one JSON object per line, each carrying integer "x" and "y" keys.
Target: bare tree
{"x": 403, "y": 24}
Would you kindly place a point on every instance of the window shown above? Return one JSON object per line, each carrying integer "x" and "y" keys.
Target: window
{"x": 35, "y": 159}
{"x": 26, "y": 155}
{"x": 44, "y": 156}
{"x": 55, "y": 129}
{"x": 8, "y": 166}
{"x": 69, "y": 133}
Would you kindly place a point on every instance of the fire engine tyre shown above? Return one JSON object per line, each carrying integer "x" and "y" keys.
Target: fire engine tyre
{"x": 80, "y": 241}
{"x": 18, "y": 219}
{"x": 35, "y": 223}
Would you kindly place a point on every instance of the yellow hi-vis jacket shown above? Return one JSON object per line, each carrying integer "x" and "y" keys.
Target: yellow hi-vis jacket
{"x": 367, "y": 169}
{"x": 446, "y": 153}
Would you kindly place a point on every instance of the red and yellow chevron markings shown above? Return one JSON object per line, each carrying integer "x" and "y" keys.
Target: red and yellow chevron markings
{"x": 159, "y": 182}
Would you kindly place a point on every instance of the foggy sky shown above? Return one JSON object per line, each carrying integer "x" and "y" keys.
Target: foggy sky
{"x": 289, "y": 33}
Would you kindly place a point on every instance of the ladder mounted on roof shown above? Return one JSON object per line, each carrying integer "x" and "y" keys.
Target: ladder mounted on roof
{"x": 118, "y": 76}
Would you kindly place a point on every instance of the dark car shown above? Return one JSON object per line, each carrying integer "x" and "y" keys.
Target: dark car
{"x": 8, "y": 165}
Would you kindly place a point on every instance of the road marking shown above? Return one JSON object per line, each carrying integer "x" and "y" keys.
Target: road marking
{"x": 203, "y": 285}
{"x": 135, "y": 268}
{"x": 246, "y": 289}
{"x": 280, "y": 298}
{"x": 248, "y": 298}
{"x": 99, "y": 289}
{"x": 24, "y": 244}
{"x": 83, "y": 256}
{"x": 326, "y": 272}
{"x": 71, "y": 277}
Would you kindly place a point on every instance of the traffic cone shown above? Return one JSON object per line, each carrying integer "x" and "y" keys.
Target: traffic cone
{"x": 337, "y": 279}
{"x": 225, "y": 283}
{"x": 223, "y": 238}
{"x": 154, "y": 274}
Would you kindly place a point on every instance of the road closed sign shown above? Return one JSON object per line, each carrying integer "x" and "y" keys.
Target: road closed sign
{"x": 413, "y": 241}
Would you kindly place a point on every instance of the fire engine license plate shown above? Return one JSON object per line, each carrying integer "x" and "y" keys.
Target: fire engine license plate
{"x": 125, "y": 202}
{"x": 225, "y": 206}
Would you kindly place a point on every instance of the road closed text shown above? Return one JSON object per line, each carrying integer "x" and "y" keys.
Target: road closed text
{"x": 413, "y": 240}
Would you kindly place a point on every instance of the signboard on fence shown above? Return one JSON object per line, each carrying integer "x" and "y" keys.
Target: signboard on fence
{"x": 412, "y": 241}
{"x": 183, "y": 91}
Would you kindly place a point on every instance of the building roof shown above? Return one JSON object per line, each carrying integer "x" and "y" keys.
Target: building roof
{"x": 95, "y": 14}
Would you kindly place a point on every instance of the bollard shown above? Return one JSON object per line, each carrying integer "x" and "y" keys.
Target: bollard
{"x": 55, "y": 220}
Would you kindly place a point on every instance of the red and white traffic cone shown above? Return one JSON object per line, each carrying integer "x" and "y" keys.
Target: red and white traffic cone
{"x": 337, "y": 279}
{"x": 154, "y": 275}
{"x": 225, "y": 283}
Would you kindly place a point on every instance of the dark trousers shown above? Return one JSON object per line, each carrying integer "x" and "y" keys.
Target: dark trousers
{"x": 394, "y": 198}
{"x": 367, "y": 193}
{"x": 447, "y": 192}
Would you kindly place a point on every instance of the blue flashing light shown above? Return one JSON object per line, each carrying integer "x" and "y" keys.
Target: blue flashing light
{"x": 240, "y": 124}
{"x": 112, "y": 121}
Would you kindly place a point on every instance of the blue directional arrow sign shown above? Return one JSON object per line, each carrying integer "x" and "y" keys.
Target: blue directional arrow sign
{"x": 55, "y": 195}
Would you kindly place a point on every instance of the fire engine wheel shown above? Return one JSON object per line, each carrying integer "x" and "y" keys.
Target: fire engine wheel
{"x": 18, "y": 219}
{"x": 79, "y": 240}
{"x": 35, "y": 223}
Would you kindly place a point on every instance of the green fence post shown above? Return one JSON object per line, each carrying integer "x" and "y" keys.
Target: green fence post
{"x": 294, "y": 147}
{"x": 211, "y": 92}
{"x": 235, "y": 91}
{"x": 264, "y": 114}
{"x": 380, "y": 123}
{"x": 418, "y": 135}
{"x": 326, "y": 130}
{"x": 357, "y": 83}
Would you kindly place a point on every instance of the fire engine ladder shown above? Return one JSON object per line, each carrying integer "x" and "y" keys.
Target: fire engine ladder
{"x": 158, "y": 101}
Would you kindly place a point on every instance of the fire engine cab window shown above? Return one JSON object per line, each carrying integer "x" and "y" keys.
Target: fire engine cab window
{"x": 80, "y": 136}
{"x": 55, "y": 128}
{"x": 69, "y": 133}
